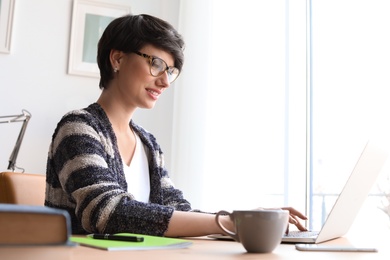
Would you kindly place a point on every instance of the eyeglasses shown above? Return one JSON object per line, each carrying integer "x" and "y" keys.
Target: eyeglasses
{"x": 159, "y": 66}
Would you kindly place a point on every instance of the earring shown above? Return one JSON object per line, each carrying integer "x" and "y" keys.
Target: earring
{"x": 116, "y": 70}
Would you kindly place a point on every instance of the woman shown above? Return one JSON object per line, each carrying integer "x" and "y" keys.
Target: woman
{"x": 105, "y": 170}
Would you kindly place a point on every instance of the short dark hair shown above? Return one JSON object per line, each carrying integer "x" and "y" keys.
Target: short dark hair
{"x": 130, "y": 33}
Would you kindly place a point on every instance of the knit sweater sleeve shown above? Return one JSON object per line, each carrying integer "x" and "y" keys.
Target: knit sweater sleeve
{"x": 85, "y": 177}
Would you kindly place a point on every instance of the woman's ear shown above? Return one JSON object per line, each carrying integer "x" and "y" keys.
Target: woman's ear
{"x": 115, "y": 58}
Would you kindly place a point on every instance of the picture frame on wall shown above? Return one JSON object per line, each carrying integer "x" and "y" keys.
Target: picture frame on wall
{"x": 89, "y": 20}
{"x": 6, "y": 19}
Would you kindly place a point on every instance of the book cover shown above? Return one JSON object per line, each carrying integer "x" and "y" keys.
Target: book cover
{"x": 33, "y": 225}
{"x": 149, "y": 243}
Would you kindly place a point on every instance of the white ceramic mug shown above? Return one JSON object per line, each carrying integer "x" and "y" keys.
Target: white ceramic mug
{"x": 259, "y": 231}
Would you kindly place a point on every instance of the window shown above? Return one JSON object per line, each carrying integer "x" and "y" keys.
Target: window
{"x": 274, "y": 92}
{"x": 350, "y": 78}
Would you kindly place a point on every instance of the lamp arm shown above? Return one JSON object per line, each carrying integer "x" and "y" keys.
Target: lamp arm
{"x": 25, "y": 118}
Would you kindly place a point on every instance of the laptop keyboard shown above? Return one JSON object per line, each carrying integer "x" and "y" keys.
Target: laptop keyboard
{"x": 302, "y": 234}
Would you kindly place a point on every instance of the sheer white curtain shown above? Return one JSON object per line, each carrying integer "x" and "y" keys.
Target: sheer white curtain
{"x": 239, "y": 112}
{"x": 191, "y": 102}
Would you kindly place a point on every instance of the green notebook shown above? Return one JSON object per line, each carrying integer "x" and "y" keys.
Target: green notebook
{"x": 149, "y": 243}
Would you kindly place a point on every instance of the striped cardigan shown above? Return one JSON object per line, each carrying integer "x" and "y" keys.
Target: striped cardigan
{"x": 85, "y": 176}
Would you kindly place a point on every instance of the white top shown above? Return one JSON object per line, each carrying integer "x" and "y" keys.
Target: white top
{"x": 137, "y": 174}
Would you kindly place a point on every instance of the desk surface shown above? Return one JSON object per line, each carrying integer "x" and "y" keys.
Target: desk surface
{"x": 202, "y": 248}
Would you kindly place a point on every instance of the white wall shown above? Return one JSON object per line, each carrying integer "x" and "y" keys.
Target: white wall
{"x": 34, "y": 77}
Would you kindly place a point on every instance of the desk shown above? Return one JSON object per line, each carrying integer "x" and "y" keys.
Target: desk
{"x": 202, "y": 248}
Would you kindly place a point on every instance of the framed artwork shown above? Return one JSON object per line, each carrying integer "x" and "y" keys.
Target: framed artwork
{"x": 89, "y": 20}
{"x": 6, "y": 17}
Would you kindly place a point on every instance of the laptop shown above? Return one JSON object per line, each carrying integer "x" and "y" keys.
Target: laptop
{"x": 350, "y": 200}
{"x": 348, "y": 203}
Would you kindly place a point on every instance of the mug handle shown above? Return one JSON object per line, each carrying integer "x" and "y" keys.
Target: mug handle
{"x": 230, "y": 233}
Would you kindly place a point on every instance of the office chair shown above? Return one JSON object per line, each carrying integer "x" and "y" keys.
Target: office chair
{"x": 23, "y": 214}
{"x": 22, "y": 188}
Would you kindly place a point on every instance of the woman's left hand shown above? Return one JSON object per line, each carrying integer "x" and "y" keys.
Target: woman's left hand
{"x": 295, "y": 215}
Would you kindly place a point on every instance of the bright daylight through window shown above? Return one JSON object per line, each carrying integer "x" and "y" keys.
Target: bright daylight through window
{"x": 287, "y": 90}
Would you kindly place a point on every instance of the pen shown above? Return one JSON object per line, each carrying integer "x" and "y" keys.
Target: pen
{"x": 118, "y": 238}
